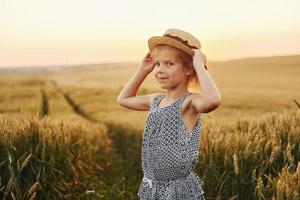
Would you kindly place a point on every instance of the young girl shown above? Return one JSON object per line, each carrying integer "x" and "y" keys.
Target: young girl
{"x": 170, "y": 147}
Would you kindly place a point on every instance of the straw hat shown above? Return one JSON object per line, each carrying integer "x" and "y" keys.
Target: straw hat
{"x": 176, "y": 38}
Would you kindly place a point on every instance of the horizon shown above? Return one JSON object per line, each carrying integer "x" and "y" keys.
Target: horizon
{"x": 78, "y": 33}
{"x": 121, "y": 62}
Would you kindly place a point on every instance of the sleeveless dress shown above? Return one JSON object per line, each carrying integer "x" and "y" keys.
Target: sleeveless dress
{"x": 169, "y": 155}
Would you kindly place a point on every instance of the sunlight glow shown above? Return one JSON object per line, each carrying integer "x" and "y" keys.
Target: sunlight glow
{"x": 45, "y": 32}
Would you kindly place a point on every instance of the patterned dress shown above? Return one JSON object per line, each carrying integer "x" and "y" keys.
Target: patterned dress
{"x": 169, "y": 155}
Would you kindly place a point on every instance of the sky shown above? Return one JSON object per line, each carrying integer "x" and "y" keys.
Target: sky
{"x": 67, "y": 32}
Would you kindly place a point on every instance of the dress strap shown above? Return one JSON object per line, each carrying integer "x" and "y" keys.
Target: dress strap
{"x": 181, "y": 102}
{"x": 155, "y": 101}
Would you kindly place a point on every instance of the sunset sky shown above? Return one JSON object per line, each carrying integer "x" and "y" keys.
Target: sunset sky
{"x": 58, "y": 32}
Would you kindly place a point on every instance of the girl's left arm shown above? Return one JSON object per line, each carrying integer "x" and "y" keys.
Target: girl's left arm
{"x": 210, "y": 97}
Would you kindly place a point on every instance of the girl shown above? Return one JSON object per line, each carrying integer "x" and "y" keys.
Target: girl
{"x": 170, "y": 146}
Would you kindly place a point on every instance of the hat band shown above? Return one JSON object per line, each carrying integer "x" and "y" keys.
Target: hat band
{"x": 185, "y": 42}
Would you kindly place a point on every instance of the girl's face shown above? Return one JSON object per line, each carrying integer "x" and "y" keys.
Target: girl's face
{"x": 168, "y": 69}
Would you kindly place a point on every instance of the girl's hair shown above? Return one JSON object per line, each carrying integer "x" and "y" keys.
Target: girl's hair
{"x": 187, "y": 61}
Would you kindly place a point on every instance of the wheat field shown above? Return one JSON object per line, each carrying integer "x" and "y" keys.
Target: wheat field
{"x": 63, "y": 135}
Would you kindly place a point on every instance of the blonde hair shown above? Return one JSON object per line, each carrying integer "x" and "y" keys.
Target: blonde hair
{"x": 193, "y": 80}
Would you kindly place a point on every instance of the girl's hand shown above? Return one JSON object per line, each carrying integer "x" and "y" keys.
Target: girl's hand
{"x": 147, "y": 63}
{"x": 199, "y": 59}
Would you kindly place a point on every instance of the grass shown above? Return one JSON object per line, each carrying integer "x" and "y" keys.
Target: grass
{"x": 250, "y": 160}
{"x": 63, "y": 136}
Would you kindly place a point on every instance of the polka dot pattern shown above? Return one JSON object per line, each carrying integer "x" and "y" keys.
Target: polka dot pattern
{"x": 169, "y": 155}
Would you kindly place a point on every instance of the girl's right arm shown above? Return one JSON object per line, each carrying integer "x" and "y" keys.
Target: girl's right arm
{"x": 127, "y": 97}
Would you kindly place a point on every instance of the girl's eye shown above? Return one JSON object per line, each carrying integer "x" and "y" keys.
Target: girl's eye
{"x": 168, "y": 64}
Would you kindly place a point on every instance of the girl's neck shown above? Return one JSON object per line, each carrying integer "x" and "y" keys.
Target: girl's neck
{"x": 175, "y": 94}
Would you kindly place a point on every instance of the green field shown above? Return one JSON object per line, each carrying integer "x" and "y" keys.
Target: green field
{"x": 63, "y": 135}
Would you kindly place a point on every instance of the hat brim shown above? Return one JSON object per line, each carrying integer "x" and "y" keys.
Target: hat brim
{"x": 158, "y": 40}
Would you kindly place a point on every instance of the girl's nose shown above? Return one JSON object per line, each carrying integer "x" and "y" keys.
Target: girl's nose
{"x": 161, "y": 68}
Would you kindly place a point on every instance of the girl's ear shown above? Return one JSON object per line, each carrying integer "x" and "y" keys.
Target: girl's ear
{"x": 188, "y": 71}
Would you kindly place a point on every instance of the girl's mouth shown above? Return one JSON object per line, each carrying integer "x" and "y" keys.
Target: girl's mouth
{"x": 161, "y": 79}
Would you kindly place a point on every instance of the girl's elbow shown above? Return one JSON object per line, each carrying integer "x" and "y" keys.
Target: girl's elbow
{"x": 214, "y": 104}
{"x": 216, "y": 101}
{"x": 119, "y": 101}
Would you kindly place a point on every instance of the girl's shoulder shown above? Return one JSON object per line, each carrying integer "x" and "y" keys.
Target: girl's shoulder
{"x": 152, "y": 96}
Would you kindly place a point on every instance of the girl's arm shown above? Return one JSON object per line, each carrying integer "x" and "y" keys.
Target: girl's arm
{"x": 210, "y": 97}
{"x": 127, "y": 97}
